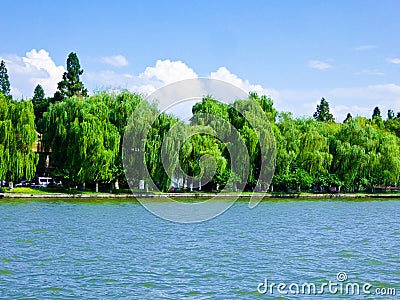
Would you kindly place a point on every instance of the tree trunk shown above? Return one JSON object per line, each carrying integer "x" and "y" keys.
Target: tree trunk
{"x": 97, "y": 187}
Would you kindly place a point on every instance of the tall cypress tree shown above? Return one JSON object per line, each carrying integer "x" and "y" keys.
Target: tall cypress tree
{"x": 71, "y": 84}
{"x": 4, "y": 81}
{"x": 323, "y": 114}
{"x": 38, "y": 94}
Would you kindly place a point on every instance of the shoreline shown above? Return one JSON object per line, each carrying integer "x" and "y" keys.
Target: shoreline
{"x": 197, "y": 196}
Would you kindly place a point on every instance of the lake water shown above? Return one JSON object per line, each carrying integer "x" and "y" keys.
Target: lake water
{"x": 103, "y": 249}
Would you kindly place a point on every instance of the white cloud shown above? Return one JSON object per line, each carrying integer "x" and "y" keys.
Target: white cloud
{"x": 319, "y": 65}
{"x": 356, "y": 100}
{"x": 112, "y": 81}
{"x": 167, "y": 71}
{"x": 164, "y": 72}
{"x": 394, "y": 60}
{"x": 365, "y": 47}
{"x": 116, "y": 60}
{"x": 225, "y": 75}
{"x": 36, "y": 67}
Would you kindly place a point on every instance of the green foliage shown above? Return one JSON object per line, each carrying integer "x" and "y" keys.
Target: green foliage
{"x": 323, "y": 113}
{"x": 390, "y": 114}
{"x": 38, "y": 94}
{"x": 376, "y": 113}
{"x": 83, "y": 141}
{"x": 4, "y": 81}
{"x": 349, "y": 117}
{"x": 71, "y": 84}
{"x": 85, "y": 136}
{"x": 17, "y": 136}
{"x": 153, "y": 148}
{"x": 40, "y": 104}
{"x": 393, "y": 126}
{"x": 248, "y": 117}
{"x": 39, "y": 108}
{"x": 267, "y": 105}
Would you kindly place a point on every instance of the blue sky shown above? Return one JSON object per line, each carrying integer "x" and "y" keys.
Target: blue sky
{"x": 295, "y": 51}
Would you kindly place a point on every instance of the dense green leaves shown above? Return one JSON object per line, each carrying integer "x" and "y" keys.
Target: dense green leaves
{"x": 4, "y": 81}
{"x": 38, "y": 94}
{"x": 83, "y": 141}
{"x": 85, "y": 137}
{"x": 17, "y": 137}
{"x": 323, "y": 113}
{"x": 71, "y": 84}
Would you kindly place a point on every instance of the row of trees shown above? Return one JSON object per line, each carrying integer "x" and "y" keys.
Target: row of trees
{"x": 19, "y": 121}
{"x": 356, "y": 155}
{"x": 85, "y": 135}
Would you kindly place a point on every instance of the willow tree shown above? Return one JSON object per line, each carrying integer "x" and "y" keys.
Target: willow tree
{"x": 202, "y": 158}
{"x": 253, "y": 124}
{"x": 83, "y": 142}
{"x": 314, "y": 156}
{"x": 17, "y": 137}
{"x": 267, "y": 105}
{"x": 358, "y": 151}
{"x": 288, "y": 147}
{"x": 121, "y": 107}
{"x": 154, "y": 143}
{"x": 145, "y": 135}
{"x": 303, "y": 156}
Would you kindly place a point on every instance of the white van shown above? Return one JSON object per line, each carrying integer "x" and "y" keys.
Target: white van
{"x": 44, "y": 181}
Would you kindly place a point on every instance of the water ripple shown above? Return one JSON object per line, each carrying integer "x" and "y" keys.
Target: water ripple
{"x": 63, "y": 250}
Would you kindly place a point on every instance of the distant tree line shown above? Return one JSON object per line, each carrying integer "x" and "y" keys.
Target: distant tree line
{"x": 85, "y": 135}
